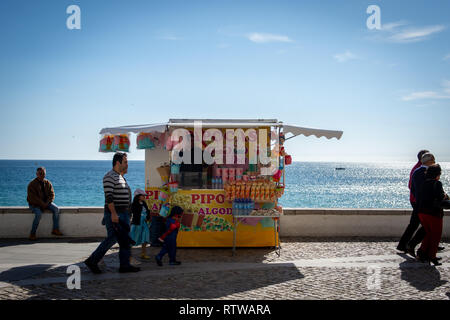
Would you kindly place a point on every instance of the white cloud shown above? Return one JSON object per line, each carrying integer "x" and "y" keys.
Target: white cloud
{"x": 398, "y": 33}
{"x": 447, "y": 57}
{"x": 424, "y": 95}
{"x": 430, "y": 94}
{"x": 414, "y": 35}
{"x": 393, "y": 25}
{"x": 267, "y": 37}
{"x": 346, "y": 56}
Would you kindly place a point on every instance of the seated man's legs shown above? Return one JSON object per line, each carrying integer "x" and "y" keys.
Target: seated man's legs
{"x": 55, "y": 210}
{"x": 37, "y": 217}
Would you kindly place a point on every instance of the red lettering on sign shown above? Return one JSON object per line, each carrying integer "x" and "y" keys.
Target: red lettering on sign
{"x": 152, "y": 194}
{"x": 220, "y": 198}
{"x": 195, "y": 197}
{"x": 210, "y": 197}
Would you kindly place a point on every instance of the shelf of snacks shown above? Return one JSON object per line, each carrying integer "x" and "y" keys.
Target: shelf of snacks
{"x": 258, "y": 190}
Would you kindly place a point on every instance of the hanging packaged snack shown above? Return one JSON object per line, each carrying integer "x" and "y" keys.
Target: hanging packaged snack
{"x": 144, "y": 140}
{"x": 163, "y": 194}
{"x": 121, "y": 143}
{"x": 277, "y": 176}
{"x": 106, "y": 143}
{"x": 288, "y": 159}
{"x": 165, "y": 209}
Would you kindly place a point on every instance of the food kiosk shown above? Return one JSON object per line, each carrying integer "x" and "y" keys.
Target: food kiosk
{"x": 227, "y": 175}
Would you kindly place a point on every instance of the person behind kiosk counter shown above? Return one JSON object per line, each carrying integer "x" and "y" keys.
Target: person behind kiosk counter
{"x": 140, "y": 232}
{"x": 169, "y": 238}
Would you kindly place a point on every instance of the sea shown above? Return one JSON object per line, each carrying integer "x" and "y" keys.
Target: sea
{"x": 308, "y": 184}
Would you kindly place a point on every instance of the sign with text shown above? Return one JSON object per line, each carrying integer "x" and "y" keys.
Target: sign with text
{"x": 208, "y": 221}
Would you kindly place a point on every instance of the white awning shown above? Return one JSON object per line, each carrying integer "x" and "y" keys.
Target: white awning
{"x": 224, "y": 123}
{"x": 295, "y": 131}
{"x": 158, "y": 127}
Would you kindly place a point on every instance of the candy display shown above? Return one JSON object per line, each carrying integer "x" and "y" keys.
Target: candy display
{"x": 258, "y": 190}
{"x": 121, "y": 142}
{"x": 173, "y": 186}
{"x": 277, "y": 175}
{"x": 145, "y": 140}
{"x": 163, "y": 195}
{"x": 288, "y": 159}
{"x": 106, "y": 143}
{"x": 165, "y": 209}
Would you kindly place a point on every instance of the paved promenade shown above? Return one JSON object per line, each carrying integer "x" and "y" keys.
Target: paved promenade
{"x": 308, "y": 268}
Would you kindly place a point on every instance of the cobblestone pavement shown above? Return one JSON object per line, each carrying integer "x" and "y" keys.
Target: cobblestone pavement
{"x": 307, "y": 269}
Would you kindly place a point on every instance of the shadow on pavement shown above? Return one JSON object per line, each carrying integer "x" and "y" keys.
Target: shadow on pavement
{"x": 25, "y": 241}
{"x": 426, "y": 278}
{"x": 23, "y": 272}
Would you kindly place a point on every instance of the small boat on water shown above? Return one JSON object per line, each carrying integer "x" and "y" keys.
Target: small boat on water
{"x": 339, "y": 168}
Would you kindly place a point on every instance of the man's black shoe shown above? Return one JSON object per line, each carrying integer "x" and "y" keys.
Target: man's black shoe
{"x": 175, "y": 263}
{"x": 129, "y": 269}
{"x": 441, "y": 248}
{"x": 410, "y": 251}
{"x": 436, "y": 262}
{"x": 158, "y": 261}
{"x": 92, "y": 266}
{"x": 402, "y": 249}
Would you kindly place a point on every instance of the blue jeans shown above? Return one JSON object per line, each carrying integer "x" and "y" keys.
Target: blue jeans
{"x": 170, "y": 247}
{"x": 38, "y": 213}
{"x": 111, "y": 239}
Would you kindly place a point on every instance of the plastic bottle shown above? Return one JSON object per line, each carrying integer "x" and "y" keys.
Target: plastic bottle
{"x": 220, "y": 186}
{"x": 238, "y": 207}
{"x": 213, "y": 183}
{"x": 246, "y": 207}
{"x": 234, "y": 208}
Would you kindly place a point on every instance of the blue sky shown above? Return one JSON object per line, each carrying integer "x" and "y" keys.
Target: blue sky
{"x": 309, "y": 63}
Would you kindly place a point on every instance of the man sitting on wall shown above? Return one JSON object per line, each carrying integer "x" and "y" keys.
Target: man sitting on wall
{"x": 40, "y": 196}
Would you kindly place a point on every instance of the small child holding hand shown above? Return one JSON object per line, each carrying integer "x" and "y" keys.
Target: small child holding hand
{"x": 169, "y": 238}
